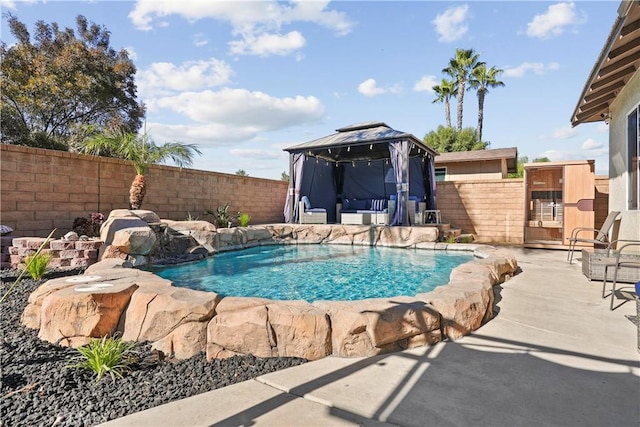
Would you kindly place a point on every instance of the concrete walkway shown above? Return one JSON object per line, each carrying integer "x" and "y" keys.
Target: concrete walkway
{"x": 554, "y": 355}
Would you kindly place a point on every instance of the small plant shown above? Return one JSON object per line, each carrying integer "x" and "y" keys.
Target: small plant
{"x": 22, "y": 273}
{"x": 89, "y": 226}
{"x": 243, "y": 219}
{"x": 221, "y": 216}
{"x": 37, "y": 264}
{"x": 106, "y": 355}
{"x": 190, "y": 217}
{"x": 450, "y": 239}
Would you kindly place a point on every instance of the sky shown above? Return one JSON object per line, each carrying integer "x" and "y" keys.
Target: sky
{"x": 243, "y": 80}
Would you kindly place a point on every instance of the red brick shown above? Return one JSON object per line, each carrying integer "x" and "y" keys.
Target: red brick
{"x": 70, "y": 253}
{"x": 91, "y": 254}
{"x": 80, "y": 262}
{"x": 61, "y": 245}
{"x": 88, "y": 244}
{"x": 59, "y": 262}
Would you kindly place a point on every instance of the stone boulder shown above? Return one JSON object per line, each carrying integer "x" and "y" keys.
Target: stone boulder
{"x": 135, "y": 240}
{"x": 185, "y": 341}
{"x": 374, "y": 326}
{"x": 300, "y": 329}
{"x": 73, "y": 315}
{"x": 268, "y": 328}
{"x": 203, "y": 232}
{"x": 150, "y": 217}
{"x": 242, "y": 331}
{"x": 157, "y": 310}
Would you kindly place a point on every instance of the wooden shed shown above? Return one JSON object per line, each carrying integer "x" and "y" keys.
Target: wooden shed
{"x": 559, "y": 196}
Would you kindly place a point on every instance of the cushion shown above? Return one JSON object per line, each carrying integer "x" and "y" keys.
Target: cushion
{"x": 378, "y": 204}
{"x": 359, "y": 204}
{"x": 307, "y": 203}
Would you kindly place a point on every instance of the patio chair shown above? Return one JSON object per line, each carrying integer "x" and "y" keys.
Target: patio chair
{"x": 309, "y": 215}
{"x": 625, "y": 257}
{"x": 599, "y": 237}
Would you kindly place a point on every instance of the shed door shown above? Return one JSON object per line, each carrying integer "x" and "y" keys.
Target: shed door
{"x": 579, "y": 195}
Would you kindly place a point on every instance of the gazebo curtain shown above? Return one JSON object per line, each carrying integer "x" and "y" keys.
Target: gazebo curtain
{"x": 399, "y": 151}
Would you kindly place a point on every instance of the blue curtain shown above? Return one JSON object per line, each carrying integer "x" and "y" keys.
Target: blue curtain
{"x": 295, "y": 182}
{"x": 399, "y": 152}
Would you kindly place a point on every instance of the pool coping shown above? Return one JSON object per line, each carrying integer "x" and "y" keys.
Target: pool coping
{"x": 182, "y": 322}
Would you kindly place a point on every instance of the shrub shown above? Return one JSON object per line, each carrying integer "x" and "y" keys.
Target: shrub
{"x": 88, "y": 226}
{"x": 221, "y": 216}
{"x": 106, "y": 355}
{"x": 243, "y": 219}
{"x": 37, "y": 264}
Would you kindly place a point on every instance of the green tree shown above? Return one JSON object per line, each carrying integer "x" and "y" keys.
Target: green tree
{"x": 520, "y": 167}
{"x": 63, "y": 79}
{"x": 142, "y": 151}
{"x": 459, "y": 69}
{"x": 284, "y": 177}
{"x": 241, "y": 172}
{"x": 482, "y": 79}
{"x": 447, "y": 139}
{"x": 444, "y": 91}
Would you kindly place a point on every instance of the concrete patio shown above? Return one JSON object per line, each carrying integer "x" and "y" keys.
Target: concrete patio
{"x": 554, "y": 355}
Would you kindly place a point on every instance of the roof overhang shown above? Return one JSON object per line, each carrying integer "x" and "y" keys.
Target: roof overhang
{"x": 508, "y": 154}
{"x": 617, "y": 63}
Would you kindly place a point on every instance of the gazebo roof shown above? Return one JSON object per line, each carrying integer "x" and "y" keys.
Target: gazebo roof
{"x": 362, "y": 141}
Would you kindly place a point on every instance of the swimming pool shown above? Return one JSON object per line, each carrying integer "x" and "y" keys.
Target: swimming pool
{"x": 317, "y": 272}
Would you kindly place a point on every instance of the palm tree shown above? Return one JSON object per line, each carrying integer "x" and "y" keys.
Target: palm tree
{"x": 460, "y": 68}
{"x": 482, "y": 79}
{"x": 444, "y": 91}
{"x": 142, "y": 151}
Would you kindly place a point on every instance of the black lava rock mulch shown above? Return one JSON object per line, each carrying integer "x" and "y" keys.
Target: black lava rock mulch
{"x": 37, "y": 388}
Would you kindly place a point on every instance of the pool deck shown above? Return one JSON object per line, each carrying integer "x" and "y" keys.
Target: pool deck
{"x": 554, "y": 355}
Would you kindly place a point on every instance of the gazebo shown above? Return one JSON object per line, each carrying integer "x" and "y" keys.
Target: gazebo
{"x": 365, "y": 160}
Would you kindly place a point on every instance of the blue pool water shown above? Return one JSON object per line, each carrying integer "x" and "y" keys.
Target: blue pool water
{"x": 317, "y": 272}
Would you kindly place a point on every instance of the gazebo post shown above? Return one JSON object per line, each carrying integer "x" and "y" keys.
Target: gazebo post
{"x": 291, "y": 190}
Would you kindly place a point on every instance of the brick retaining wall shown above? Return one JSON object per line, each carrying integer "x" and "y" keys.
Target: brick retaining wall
{"x": 46, "y": 189}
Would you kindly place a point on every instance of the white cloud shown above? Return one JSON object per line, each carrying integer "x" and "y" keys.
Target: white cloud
{"x": 538, "y": 68}
{"x": 211, "y": 134}
{"x": 133, "y": 55}
{"x": 242, "y": 108}
{"x": 162, "y": 78}
{"x": 564, "y": 132}
{"x": 451, "y": 25}
{"x": 268, "y": 44}
{"x": 370, "y": 88}
{"x": 591, "y": 144}
{"x": 257, "y": 154}
{"x": 200, "y": 40}
{"x": 254, "y": 22}
{"x": 554, "y": 21}
{"x": 425, "y": 84}
{"x": 8, "y": 4}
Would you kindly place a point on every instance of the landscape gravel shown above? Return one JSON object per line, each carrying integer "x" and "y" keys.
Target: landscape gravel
{"x": 38, "y": 388}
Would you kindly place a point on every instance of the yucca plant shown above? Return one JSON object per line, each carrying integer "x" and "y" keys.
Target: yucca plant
{"x": 243, "y": 219}
{"x": 106, "y": 355}
{"x": 37, "y": 264}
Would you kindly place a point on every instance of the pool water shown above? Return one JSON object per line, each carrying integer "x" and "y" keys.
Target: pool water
{"x": 317, "y": 272}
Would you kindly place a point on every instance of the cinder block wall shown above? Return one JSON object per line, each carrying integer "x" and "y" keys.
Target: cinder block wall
{"x": 493, "y": 210}
{"x": 46, "y": 189}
